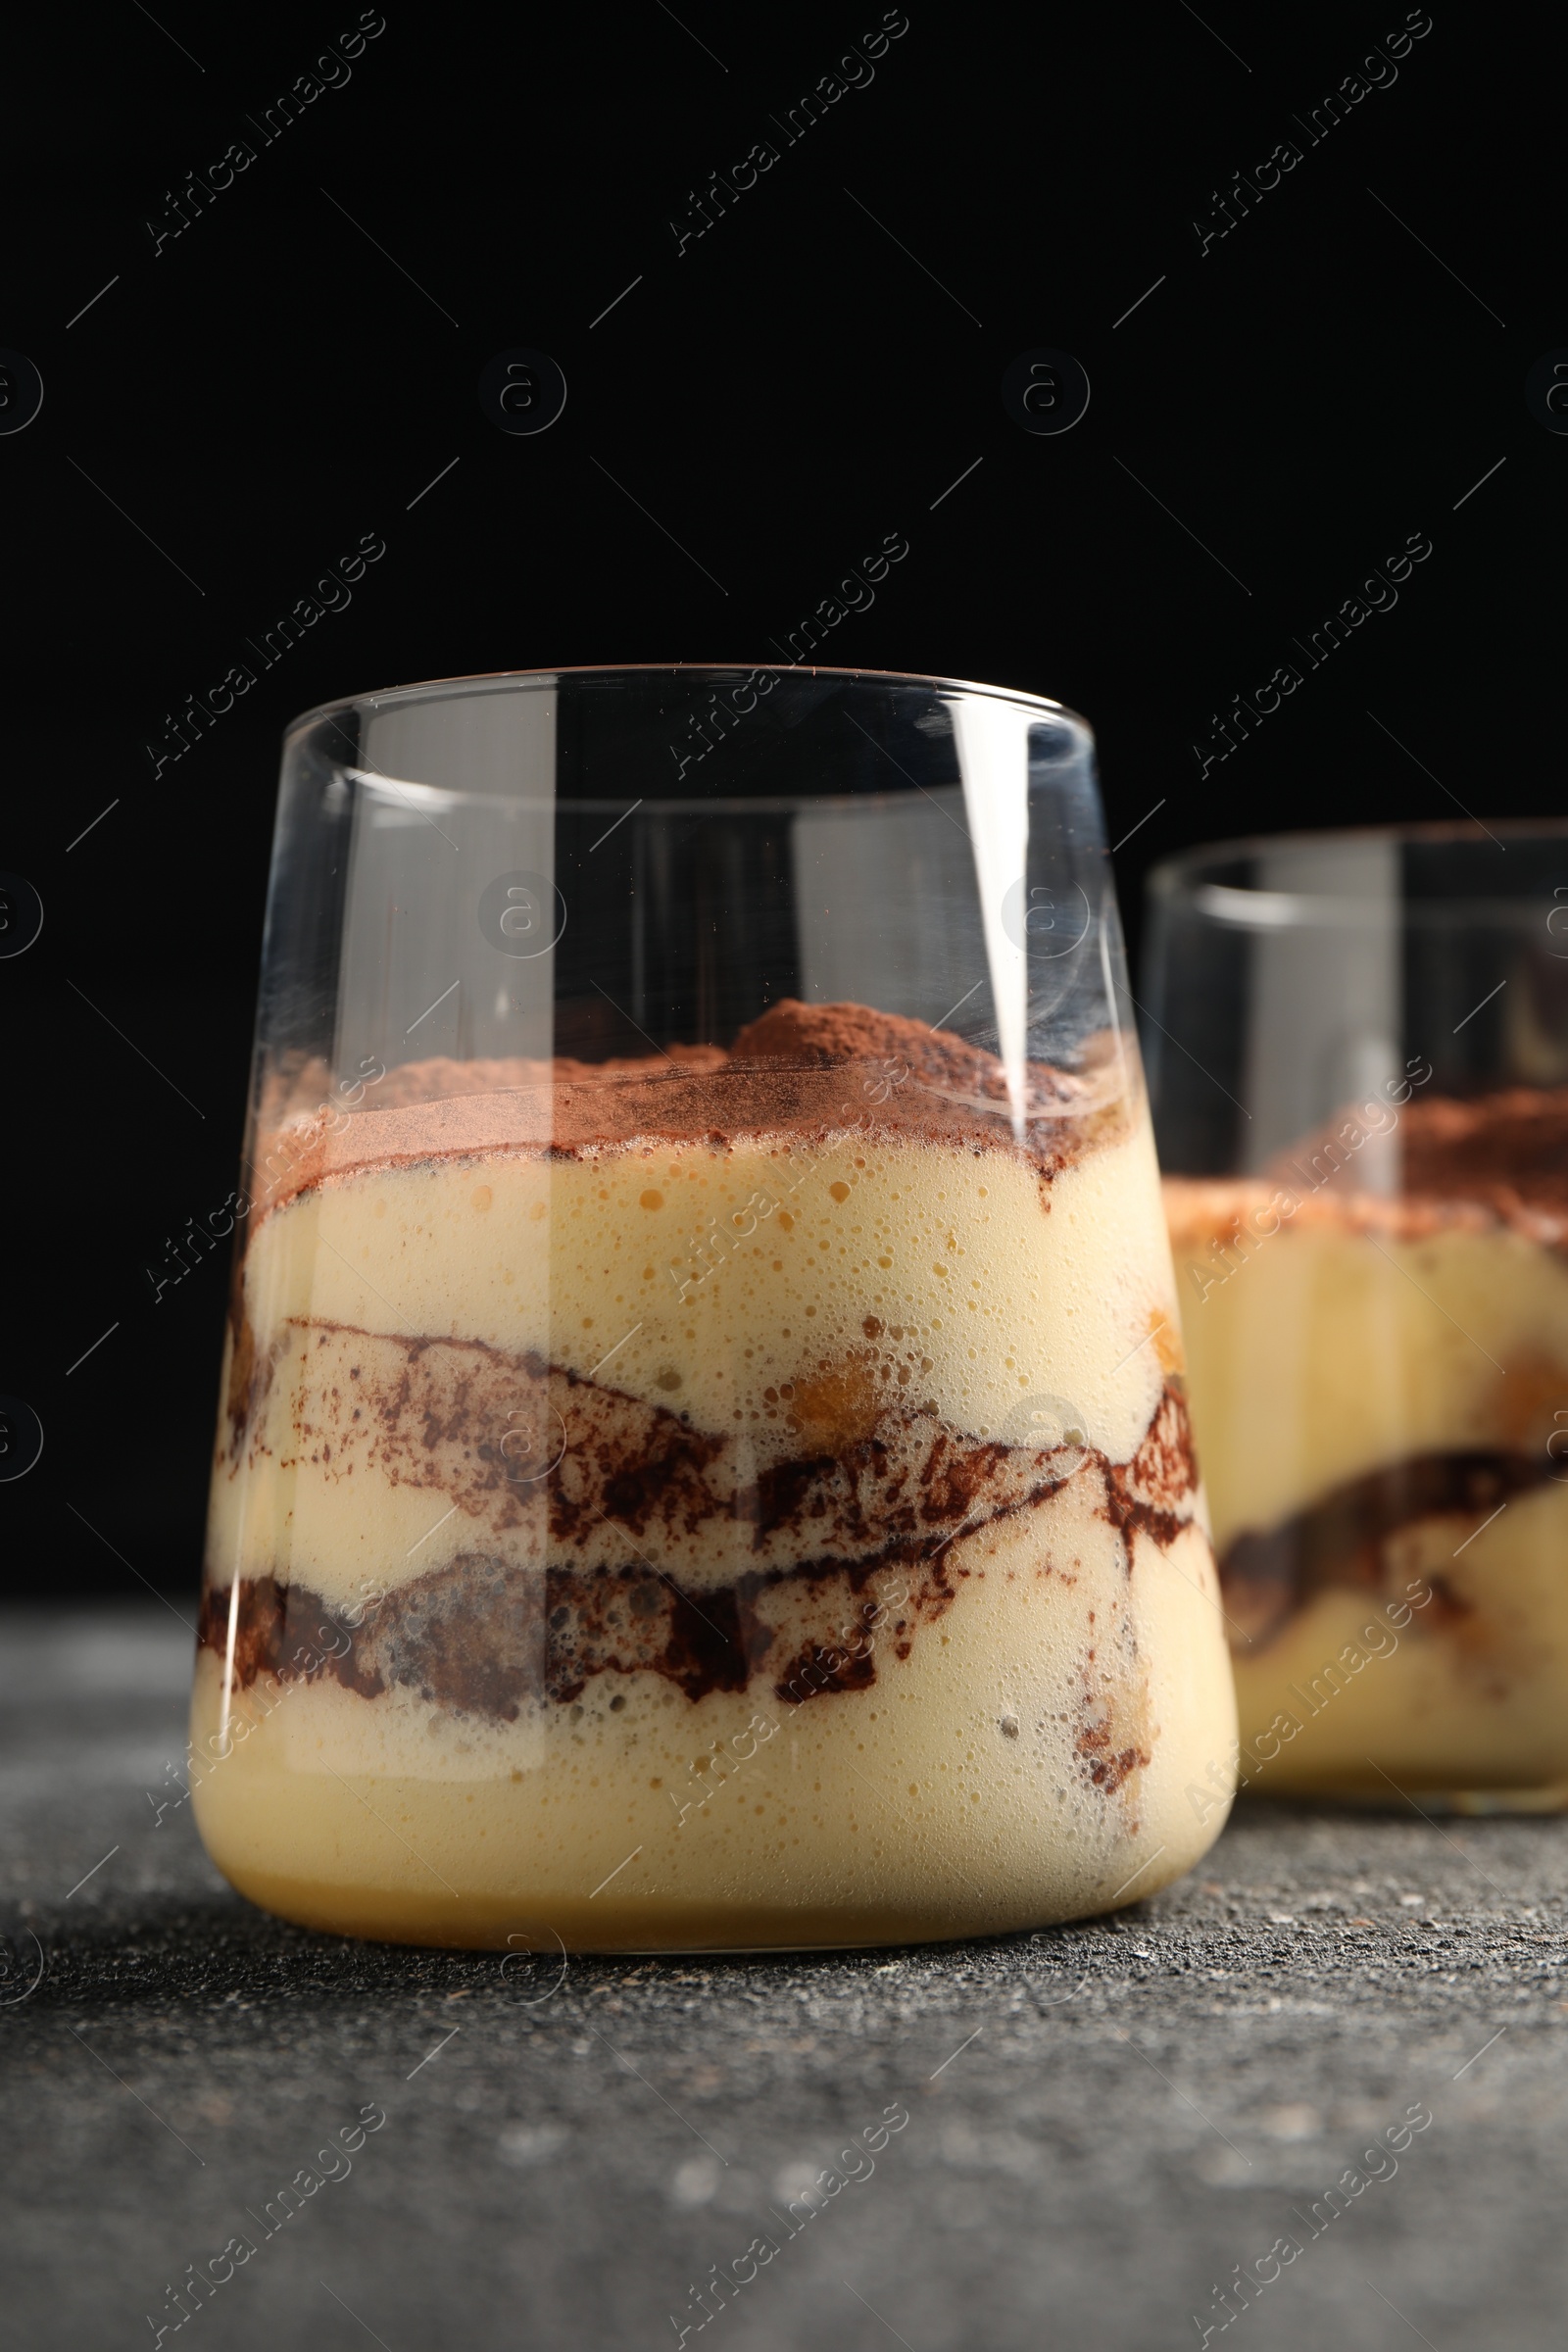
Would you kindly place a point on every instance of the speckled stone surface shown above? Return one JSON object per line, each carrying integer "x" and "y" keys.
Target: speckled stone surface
{"x": 1102, "y": 2121}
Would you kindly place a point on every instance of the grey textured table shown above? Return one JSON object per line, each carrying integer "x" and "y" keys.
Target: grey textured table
{"x": 1102, "y": 2121}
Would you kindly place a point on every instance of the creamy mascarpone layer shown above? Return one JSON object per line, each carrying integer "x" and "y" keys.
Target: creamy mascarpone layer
{"x": 886, "y": 1270}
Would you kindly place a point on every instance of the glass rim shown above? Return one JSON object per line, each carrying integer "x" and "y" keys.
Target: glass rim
{"x": 1188, "y": 878}
{"x": 475, "y": 682}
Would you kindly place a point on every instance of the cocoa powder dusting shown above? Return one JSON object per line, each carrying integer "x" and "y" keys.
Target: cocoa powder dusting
{"x": 802, "y": 1070}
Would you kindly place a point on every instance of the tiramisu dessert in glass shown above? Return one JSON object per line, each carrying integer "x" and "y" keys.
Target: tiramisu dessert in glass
{"x": 1358, "y": 1055}
{"x": 704, "y": 1456}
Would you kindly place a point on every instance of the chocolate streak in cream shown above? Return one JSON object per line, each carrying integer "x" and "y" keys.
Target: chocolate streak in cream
{"x": 470, "y": 1634}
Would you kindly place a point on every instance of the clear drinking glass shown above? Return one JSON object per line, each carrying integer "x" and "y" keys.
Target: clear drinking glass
{"x": 1358, "y": 1061}
{"x": 703, "y": 1460}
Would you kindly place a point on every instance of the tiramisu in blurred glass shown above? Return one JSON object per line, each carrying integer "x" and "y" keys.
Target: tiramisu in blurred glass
{"x": 1367, "y": 1191}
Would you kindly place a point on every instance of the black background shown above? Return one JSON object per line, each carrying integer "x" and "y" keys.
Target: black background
{"x": 238, "y": 407}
